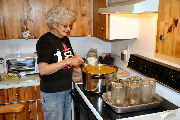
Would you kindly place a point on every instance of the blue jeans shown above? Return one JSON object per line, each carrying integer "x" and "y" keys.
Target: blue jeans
{"x": 56, "y": 106}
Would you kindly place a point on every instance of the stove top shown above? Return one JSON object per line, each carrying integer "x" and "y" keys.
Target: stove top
{"x": 108, "y": 114}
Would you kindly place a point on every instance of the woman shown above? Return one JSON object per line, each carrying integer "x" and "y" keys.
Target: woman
{"x": 56, "y": 63}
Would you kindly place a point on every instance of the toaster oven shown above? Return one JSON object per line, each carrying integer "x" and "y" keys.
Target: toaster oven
{"x": 21, "y": 63}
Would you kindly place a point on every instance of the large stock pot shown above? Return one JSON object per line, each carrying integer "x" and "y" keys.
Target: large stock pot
{"x": 95, "y": 76}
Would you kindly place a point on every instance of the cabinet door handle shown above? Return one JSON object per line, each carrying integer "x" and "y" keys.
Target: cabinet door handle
{"x": 102, "y": 28}
{"x": 17, "y": 95}
{"x": 161, "y": 37}
{"x": 29, "y": 111}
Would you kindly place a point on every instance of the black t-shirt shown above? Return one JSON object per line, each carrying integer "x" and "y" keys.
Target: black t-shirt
{"x": 52, "y": 49}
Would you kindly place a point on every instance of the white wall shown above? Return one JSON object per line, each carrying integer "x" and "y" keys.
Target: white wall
{"x": 145, "y": 44}
{"x": 81, "y": 45}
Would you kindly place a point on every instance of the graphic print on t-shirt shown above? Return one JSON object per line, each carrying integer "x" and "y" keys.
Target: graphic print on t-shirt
{"x": 66, "y": 51}
{"x": 58, "y": 53}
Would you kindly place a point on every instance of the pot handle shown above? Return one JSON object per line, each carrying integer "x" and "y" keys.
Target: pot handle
{"x": 98, "y": 77}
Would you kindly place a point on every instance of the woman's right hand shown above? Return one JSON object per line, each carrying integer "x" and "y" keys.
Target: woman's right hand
{"x": 75, "y": 61}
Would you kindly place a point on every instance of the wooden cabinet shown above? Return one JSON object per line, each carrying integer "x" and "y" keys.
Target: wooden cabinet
{"x": 29, "y": 113}
{"x": 16, "y": 15}
{"x": 83, "y": 12}
{"x": 38, "y": 96}
{"x": 39, "y": 110}
{"x": 100, "y": 21}
{"x": 82, "y": 9}
{"x": 29, "y": 96}
{"x": 168, "y": 29}
{"x": 114, "y": 26}
{"x": 17, "y": 94}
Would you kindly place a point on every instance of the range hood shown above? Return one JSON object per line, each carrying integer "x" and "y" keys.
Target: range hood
{"x": 130, "y": 6}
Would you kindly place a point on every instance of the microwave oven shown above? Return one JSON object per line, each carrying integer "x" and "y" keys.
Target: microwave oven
{"x": 21, "y": 63}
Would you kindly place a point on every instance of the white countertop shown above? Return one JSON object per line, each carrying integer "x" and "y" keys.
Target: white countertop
{"x": 166, "y": 115}
{"x": 24, "y": 81}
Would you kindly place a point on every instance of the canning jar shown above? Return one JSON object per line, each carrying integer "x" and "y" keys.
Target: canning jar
{"x": 146, "y": 92}
{"x": 118, "y": 94}
{"x": 133, "y": 93}
{"x": 109, "y": 84}
{"x": 153, "y": 82}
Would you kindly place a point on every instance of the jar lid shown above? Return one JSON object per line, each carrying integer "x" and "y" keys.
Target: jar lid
{"x": 137, "y": 81}
{"x": 135, "y": 78}
{"x": 133, "y": 85}
{"x": 118, "y": 85}
{"x": 125, "y": 80}
{"x": 146, "y": 84}
{"x": 149, "y": 79}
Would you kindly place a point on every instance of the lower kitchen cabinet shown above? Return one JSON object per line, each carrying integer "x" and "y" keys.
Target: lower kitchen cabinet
{"x": 28, "y": 96}
{"x": 17, "y": 94}
{"x": 29, "y": 112}
{"x": 39, "y": 110}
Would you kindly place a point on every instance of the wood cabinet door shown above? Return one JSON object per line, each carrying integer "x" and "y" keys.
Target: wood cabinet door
{"x": 38, "y": 15}
{"x": 29, "y": 112}
{"x": 2, "y": 97}
{"x": 100, "y": 21}
{"x": 39, "y": 110}
{"x": 168, "y": 28}
{"x": 14, "y": 16}
{"x": 83, "y": 12}
{"x": 82, "y": 9}
{"x": 17, "y": 94}
{"x": 38, "y": 96}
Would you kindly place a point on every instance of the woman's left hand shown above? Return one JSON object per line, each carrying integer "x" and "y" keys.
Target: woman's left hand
{"x": 77, "y": 74}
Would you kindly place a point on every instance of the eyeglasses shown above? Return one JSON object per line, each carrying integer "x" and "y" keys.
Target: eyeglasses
{"x": 66, "y": 26}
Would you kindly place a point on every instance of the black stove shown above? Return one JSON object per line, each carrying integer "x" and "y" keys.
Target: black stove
{"x": 164, "y": 74}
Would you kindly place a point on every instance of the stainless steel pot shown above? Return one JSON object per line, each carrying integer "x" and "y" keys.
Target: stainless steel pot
{"x": 94, "y": 82}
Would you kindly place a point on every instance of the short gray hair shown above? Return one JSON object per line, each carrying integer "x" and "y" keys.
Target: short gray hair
{"x": 58, "y": 14}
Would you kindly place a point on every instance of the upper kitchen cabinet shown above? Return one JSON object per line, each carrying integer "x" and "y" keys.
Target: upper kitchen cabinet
{"x": 100, "y": 21}
{"x": 39, "y": 9}
{"x": 168, "y": 29}
{"x": 14, "y": 18}
{"x": 130, "y": 6}
{"x": 120, "y": 26}
{"x": 24, "y": 15}
{"x": 83, "y": 11}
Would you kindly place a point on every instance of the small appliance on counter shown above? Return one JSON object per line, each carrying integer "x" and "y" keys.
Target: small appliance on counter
{"x": 22, "y": 63}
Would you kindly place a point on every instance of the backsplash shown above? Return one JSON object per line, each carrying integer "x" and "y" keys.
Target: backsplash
{"x": 81, "y": 45}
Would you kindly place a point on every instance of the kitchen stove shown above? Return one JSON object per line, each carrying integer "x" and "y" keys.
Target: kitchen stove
{"x": 167, "y": 87}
